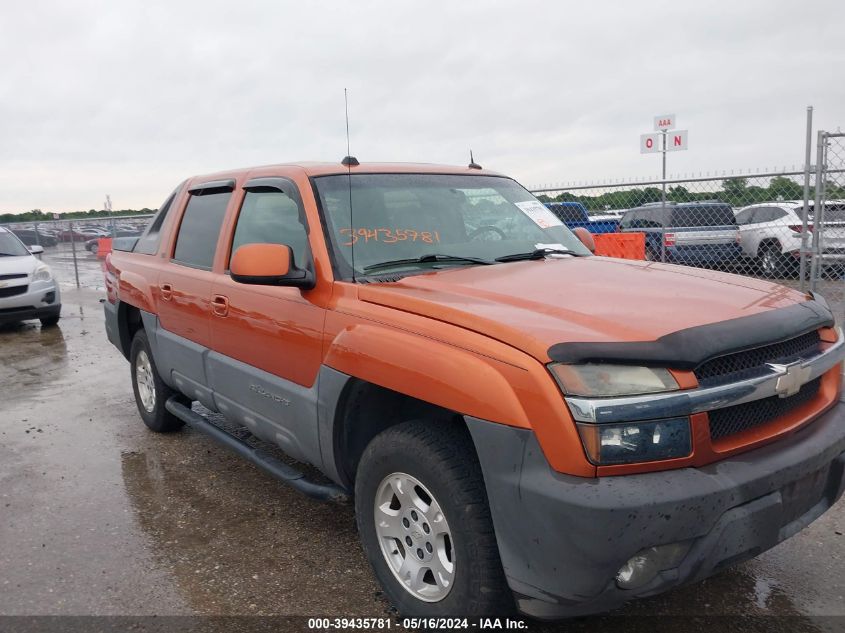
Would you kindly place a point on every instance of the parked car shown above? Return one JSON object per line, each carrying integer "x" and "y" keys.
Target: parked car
{"x": 692, "y": 233}
{"x": 770, "y": 232}
{"x": 77, "y": 235}
{"x": 93, "y": 245}
{"x": 575, "y": 215}
{"x": 523, "y": 425}
{"x": 30, "y": 237}
{"x": 27, "y": 287}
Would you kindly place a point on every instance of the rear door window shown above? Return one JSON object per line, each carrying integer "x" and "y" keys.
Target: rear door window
{"x": 200, "y": 229}
{"x": 745, "y": 217}
{"x": 704, "y": 215}
{"x": 770, "y": 214}
{"x": 148, "y": 243}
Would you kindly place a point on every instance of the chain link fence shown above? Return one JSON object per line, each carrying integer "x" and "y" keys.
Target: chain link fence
{"x": 827, "y": 247}
{"x": 71, "y": 246}
{"x": 772, "y": 225}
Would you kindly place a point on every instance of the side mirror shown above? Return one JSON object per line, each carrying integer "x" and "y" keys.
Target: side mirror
{"x": 36, "y": 249}
{"x": 268, "y": 265}
{"x": 586, "y": 238}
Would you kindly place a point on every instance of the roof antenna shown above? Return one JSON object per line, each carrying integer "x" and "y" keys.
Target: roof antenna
{"x": 349, "y": 162}
{"x": 472, "y": 163}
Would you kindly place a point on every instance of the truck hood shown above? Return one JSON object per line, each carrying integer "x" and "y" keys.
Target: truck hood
{"x": 532, "y": 305}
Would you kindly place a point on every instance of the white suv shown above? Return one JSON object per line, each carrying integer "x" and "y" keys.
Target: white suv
{"x": 770, "y": 232}
{"x": 27, "y": 287}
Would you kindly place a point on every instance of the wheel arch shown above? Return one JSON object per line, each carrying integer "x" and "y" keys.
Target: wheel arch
{"x": 769, "y": 241}
{"x": 129, "y": 321}
{"x": 364, "y": 411}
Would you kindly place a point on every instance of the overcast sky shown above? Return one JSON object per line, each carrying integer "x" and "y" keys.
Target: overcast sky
{"x": 129, "y": 98}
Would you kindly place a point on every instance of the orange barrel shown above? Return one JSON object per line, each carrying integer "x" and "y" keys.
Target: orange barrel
{"x": 103, "y": 247}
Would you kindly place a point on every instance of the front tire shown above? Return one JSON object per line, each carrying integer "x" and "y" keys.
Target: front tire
{"x": 151, "y": 393}
{"x": 425, "y": 523}
{"x": 49, "y": 321}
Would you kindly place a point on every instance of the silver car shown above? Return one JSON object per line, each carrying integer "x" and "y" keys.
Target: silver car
{"x": 27, "y": 287}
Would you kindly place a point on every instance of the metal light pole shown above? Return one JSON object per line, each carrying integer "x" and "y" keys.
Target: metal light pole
{"x": 107, "y": 208}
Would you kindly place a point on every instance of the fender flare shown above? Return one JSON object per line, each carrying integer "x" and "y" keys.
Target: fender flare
{"x": 428, "y": 370}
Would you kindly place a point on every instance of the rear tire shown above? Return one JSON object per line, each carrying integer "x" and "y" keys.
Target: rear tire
{"x": 423, "y": 517}
{"x": 151, "y": 393}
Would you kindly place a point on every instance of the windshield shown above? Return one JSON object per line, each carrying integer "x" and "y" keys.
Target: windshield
{"x": 11, "y": 246}
{"x": 407, "y": 216}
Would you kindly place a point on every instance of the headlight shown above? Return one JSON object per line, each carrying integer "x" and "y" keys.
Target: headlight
{"x": 42, "y": 273}
{"x": 612, "y": 380}
{"x": 608, "y": 444}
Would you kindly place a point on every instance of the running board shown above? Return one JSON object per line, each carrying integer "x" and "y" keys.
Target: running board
{"x": 277, "y": 468}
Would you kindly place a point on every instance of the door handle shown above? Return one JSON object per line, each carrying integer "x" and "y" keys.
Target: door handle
{"x": 220, "y": 305}
{"x": 166, "y": 291}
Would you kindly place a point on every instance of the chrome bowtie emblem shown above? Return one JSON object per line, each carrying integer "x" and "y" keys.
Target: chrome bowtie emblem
{"x": 792, "y": 378}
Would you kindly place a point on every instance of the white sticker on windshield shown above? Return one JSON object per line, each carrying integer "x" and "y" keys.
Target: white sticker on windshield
{"x": 539, "y": 214}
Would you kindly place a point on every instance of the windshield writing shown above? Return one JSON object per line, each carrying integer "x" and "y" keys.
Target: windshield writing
{"x": 407, "y": 216}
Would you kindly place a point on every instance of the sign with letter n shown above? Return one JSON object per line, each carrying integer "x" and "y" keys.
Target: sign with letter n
{"x": 677, "y": 140}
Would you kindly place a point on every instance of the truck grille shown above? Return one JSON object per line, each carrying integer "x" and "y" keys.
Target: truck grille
{"x": 745, "y": 364}
{"x": 742, "y": 417}
{"x": 14, "y": 276}
{"x": 13, "y": 291}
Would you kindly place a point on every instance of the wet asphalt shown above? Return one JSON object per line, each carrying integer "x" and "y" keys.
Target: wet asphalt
{"x": 99, "y": 516}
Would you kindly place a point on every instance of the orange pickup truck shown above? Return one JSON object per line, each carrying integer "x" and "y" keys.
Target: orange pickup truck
{"x": 523, "y": 425}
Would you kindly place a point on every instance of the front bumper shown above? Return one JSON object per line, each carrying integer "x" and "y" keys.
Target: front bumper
{"x": 42, "y": 300}
{"x": 562, "y": 539}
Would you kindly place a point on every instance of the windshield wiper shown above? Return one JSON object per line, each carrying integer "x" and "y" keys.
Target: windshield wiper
{"x": 431, "y": 258}
{"x": 538, "y": 253}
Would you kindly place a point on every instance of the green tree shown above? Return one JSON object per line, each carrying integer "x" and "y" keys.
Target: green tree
{"x": 785, "y": 188}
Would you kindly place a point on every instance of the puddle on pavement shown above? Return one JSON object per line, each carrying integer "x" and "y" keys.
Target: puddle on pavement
{"x": 236, "y": 541}
{"x": 32, "y": 359}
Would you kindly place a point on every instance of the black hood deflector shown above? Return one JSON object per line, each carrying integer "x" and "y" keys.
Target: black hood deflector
{"x": 687, "y": 349}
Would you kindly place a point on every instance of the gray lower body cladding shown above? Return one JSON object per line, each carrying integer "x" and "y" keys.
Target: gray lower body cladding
{"x": 296, "y": 418}
{"x": 563, "y": 539}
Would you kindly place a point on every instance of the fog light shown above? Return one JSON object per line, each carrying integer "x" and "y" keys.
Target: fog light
{"x": 49, "y": 297}
{"x": 642, "y": 568}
